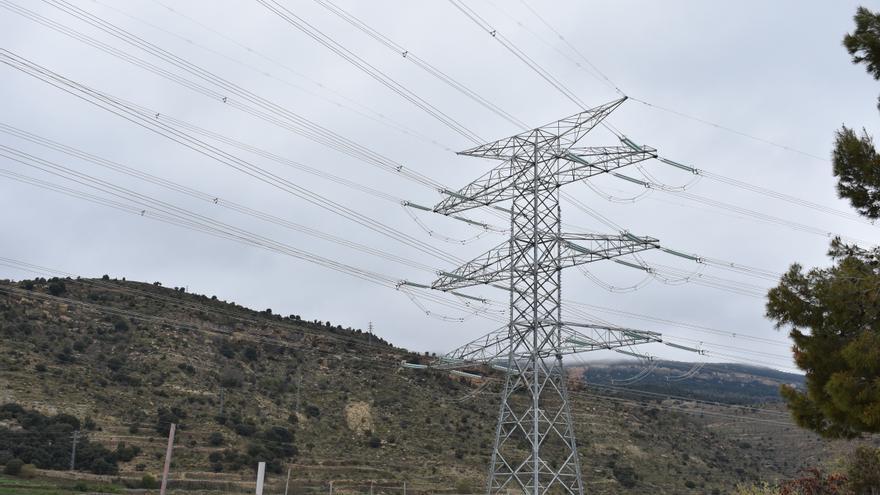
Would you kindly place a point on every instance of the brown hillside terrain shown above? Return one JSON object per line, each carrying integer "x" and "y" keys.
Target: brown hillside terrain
{"x": 133, "y": 356}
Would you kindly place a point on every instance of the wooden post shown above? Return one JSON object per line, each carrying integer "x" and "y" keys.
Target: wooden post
{"x": 261, "y": 473}
{"x": 287, "y": 483}
{"x": 167, "y": 459}
{"x": 73, "y": 450}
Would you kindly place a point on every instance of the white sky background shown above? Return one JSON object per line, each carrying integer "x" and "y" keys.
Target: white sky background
{"x": 771, "y": 69}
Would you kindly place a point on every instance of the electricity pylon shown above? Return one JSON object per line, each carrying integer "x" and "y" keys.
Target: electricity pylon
{"x": 535, "y": 449}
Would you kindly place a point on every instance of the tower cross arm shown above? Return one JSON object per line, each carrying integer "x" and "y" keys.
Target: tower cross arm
{"x": 488, "y": 268}
{"x": 494, "y": 266}
{"x": 578, "y": 249}
{"x": 560, "y": 167}
{"x": 493, "y": 348}
{"x": 561, "y": 134}
{"x": 583, "y": 163}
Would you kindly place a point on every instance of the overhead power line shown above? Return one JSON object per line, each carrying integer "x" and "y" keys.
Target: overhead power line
{"x": 206, "y": 197}
{"x": 599, "y": 75}
{"x": 226, "y": 92}
{"x": 159, "y": 127}
{"x": 338, "y": 99}
{"x": 485, "y": 25}
{"x": 328, "y": 42}
{"x": 419, "y": 62}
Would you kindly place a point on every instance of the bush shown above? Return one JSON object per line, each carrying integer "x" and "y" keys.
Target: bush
{"x": 231, "y": 378}
{"x": 121, "y": 325}
{"x": 250, "y": 353}
{"x": 13, "y": 467}
{"x": 28, "y": 471}
{"x": 216, "y": 439}
{"x": 126, "y": 453}
{"x": 863, "y": 470}
{"x": 57, "y": 287}
{"x": 815, "y": 483}
{"x": 149, "y": 482}
{"x": 463, "y": 486}
{"x": 375, "y": 443}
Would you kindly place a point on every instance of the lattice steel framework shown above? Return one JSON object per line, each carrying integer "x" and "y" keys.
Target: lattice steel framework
{"x": 535, "y": 450}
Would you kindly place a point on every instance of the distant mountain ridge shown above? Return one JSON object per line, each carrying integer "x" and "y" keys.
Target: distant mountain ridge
{"x": 718, "y": 382}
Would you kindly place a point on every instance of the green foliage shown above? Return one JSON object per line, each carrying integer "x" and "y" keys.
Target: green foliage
{"x": 149, "y": 482}
{"x": 863, "y": 471}
{"x": 231, "y": 377}
{"x": 863, "y": 44}
{"x": 250, "y": 353}
{"x": 841, "y": 351}
{"x": 165, "y": 416}
{"x": 857, "y": 168}
{"x": 216, "y": 439}
{"x": 273, "y": 446}
{"x": 120, "y": 325}
{"x": 13, "y": 467}
{"x": 57, "y": 287}
{"x": 45, "y": 442}
{"x": 856, "y": 162}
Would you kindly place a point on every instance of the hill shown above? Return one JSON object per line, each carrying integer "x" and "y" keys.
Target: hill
{"x": 124, "y": 359}
{"x": 718, "y": 382}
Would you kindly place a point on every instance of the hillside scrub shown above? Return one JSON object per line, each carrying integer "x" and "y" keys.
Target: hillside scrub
{"x": 45, "y": 442}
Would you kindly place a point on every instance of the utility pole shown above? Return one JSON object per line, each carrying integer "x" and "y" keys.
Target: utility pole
{"x": 299, "y": 382}
{"x": 73, "y": 450}
{"x": 331, "y": 487}
{"x": 261, "y": 473}
{"x": 535, "y": 451}
{"x": 168, "y": 452}
{"x": 404, "y": 488}
{"x": 370, "y": 333}
{"x": 287, "y": 483}
{"x": 371, "y": 487}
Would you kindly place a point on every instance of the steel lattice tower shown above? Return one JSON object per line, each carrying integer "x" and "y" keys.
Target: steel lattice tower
{"x": 535, "y": 450}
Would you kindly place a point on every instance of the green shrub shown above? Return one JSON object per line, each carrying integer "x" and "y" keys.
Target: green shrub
{"x": 149, "y": 482}
{"x": 216, "y": 439}
{"x": 13, "y": 467}
{"x": 863, "y": 471}
{"x": 57, "y": 287}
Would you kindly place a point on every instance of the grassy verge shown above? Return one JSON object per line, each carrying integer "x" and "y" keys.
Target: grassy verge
{"x": 20, "y": 486}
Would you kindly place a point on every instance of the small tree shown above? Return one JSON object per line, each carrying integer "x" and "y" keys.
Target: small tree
{"x": 840, "y": 352}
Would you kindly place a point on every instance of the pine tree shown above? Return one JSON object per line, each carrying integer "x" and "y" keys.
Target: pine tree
{"x": 834, "y": 312}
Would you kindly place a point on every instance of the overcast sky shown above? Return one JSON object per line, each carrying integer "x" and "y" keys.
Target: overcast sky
{"x": 774, "y": 70}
